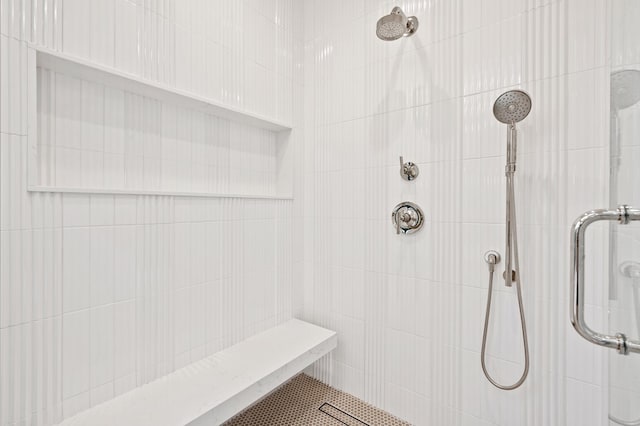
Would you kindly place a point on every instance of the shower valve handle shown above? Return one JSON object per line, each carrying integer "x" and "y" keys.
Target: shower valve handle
{"x": 403, "y": 217}
{"x": 409, "y": 171}
{"x": 407, "y": 218}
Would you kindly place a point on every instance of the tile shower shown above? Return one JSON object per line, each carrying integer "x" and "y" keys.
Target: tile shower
{"x": 117, "y": 268}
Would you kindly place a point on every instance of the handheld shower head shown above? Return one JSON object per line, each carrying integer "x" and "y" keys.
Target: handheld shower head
{"x": 512, "y": 107}
{"x": 396, "y": 25}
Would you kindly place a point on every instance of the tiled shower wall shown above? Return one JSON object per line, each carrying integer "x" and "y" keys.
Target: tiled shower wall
{"x": 103, "y": 293}
{"x": 409, "y": 310}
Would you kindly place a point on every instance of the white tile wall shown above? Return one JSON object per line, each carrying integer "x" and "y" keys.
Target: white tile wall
{"x": 102, "y": 293}
{"x": 409, "y": 309}
{"x": 180, "y": 280}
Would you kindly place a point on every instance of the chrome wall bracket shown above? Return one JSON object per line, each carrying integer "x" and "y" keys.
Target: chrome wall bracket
{"x": 492, "y": 258}
{"x": 623, "y": 215}
{"x": 409, "y": 171}
{"x": 407, "y": 218}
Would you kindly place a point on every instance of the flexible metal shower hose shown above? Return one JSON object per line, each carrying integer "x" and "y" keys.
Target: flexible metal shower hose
{"x": 512, "y": 213}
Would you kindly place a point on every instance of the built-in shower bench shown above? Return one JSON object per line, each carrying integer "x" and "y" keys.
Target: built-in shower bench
{"x": 213, "y": 390}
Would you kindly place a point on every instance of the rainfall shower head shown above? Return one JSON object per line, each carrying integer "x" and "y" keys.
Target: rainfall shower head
{"x": 512, "y": 107}
{"x": 625, "y": 89}
{"x": 396, "y": 25}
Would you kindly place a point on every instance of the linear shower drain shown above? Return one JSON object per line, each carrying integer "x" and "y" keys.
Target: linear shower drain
{"x": 341, "y": 416}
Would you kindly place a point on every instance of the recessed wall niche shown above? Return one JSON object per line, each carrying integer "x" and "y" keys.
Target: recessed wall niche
{"x": 97, "y": 130}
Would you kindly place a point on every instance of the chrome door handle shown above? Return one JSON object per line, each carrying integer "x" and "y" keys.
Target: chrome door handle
{"x": 623, "y": 215}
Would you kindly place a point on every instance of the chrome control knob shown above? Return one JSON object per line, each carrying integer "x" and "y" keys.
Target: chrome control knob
{"x": 407, "y": 218}
{"x": 409, "y": 171}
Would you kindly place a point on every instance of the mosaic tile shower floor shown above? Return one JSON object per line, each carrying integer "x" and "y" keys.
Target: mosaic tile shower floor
{"x": 305, "y": 401}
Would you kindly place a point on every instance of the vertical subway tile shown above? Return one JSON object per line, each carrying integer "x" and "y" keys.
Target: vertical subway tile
{"x": 76, "y": 269}
{"x": 76, "y": 353}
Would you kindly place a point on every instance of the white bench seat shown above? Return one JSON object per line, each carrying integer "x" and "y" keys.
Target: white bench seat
{"x": 216, "y": 388}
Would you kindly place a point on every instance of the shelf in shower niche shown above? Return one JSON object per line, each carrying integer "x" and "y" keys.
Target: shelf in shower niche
{"x": 107, "y": 191}
{"x": 80, "y": 68}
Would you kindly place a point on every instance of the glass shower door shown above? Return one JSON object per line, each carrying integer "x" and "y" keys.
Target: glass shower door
{"x": 624, "y": 241}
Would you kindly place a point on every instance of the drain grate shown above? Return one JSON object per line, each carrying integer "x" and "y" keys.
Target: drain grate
{"x": 341, "y": 416}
